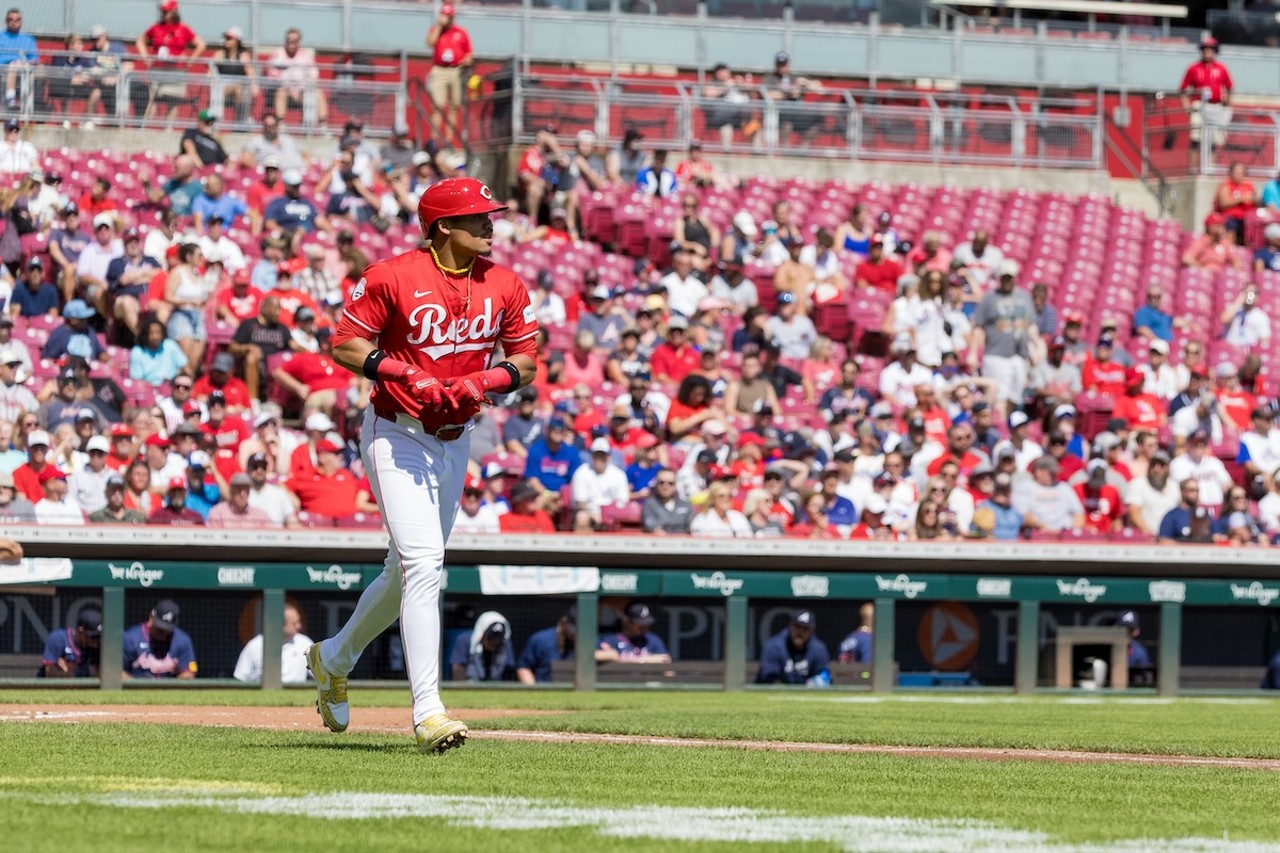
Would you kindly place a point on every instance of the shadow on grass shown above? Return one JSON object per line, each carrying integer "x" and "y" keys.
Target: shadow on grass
{"x": 338, "y": 746}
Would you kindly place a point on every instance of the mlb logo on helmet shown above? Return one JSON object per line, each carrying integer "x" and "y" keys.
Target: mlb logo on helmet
{"x": 485, "y": 192}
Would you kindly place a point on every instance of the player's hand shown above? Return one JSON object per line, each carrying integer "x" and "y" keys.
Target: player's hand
{"x": 469, "y": 389}
{"x": 427, "y": 390}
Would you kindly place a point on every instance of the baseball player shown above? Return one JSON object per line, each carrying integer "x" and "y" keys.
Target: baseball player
{"x": 423, "y": 327}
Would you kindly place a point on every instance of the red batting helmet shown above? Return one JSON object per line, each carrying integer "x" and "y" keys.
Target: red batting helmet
{"x": 456, "y": 197}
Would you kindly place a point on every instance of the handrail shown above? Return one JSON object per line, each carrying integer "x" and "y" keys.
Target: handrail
{"x": 1144, "y": 170}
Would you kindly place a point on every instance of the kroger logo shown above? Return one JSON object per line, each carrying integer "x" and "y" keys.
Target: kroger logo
{"x": 718, "y": 581}
{"x": 1081, "y": 588}
{"x": 810, "y": 586}
{"x": 235, "y": 576}
{"x": 136, "y": 572}
{"x": 995, "y": 587}
{"x": 1167, "y": 591}
{"x": 903, "y": 584}
{"x": 1255, "y": 591}
{"x": 334, "y": 575}
{"x": 619, "y": 583}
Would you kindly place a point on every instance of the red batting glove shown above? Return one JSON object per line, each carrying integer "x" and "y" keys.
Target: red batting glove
{"x": 427, "y": 390}
{"x": 471, "y": 389}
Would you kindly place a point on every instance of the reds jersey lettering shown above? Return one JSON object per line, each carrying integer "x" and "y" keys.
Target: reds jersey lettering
{"x": 443, "y": 324}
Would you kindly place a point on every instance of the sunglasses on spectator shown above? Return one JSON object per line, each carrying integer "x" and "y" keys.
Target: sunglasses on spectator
{"x": 665, "y": 482}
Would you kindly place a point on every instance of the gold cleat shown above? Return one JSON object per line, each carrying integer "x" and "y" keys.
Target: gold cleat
{"x": 438, "y": 733}
{"x": 331, "y": 693}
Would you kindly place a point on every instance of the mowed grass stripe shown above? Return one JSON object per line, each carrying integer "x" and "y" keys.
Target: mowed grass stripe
{"x": 47, "y": 766}
{"x": 1183, "y": 727}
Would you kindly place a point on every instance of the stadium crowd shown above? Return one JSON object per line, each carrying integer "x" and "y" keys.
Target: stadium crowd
{"x": 165, "y": 358}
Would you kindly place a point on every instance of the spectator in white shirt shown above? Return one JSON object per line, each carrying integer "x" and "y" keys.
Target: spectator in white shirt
{"x": 979, "y": 258}
{"x": 1151, "y": 497}
{"x": 91, "y": 266}
{"x": 547, "y": 304}
{"x": 898, "y": 379}
{"x": 216, "y": 244}
{"x": 792, "y": 332}
{"x": 474, "y": 515}
{"x": 88, "y": 486}
{"x": 57, "y": 507}
{"x": 684, "y": 291}
{"x": 293, "y": 655}
{"x": 1269, "y": 506}
{"x": 1196, "y": 463}
{"x": 718, "y": 518}
{"x": 17, "y": 155}
{"x": 596, "y": 485}
{"x": 1246, "y": 324}
{"x": 1162, "y": 379}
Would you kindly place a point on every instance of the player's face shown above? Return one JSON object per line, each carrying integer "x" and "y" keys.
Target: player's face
{"x": 472, "y": 234}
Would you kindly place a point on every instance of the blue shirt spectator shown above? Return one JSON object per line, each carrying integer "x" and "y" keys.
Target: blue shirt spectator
{"x": 1176, "y": 524}
{"x": 74, "y": 336}
{"x": 119, "y": 266}
{"x": 203, "y": 498}
{"x": 34, "y": 302}
{"x": 1008, "y": 525}
{"x": 15, "y": 45}
{"x": 552, "y": 460}
{"x": 1150, "y": 317}
{"x": 1271, "y": 194}
{"x": 641, "y": 477}
{"x": 156, "y": 365}
{"x": 227, "y": 206}
{"x": 292, "y": 212}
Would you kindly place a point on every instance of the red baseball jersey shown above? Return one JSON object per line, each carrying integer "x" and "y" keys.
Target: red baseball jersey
{"x": 443, "y": 324}
{"x": 1213, "y": 76}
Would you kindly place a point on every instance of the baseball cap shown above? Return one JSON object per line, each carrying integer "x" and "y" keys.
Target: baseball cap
{"x": 558, "y": 422}
{"x": 902, "y": 343}
{"x": 78, "y": 309}
{"x": 601, "y": 445}
{"x": 198, "y": 459}
{"x": 706, "y": 457}
{"x": 846, "y": 455}
{"x": 528, "y": 392}
{"x": 154, "y": 440}
{"x": 1224, "y": 369}
{"x": 1066, "y": 410}
{"x": 1198, "y": 437}
{"x": 115, "y": 481}
{"x": 805, "y": 618}
{"x": 446, "y": 8}
{"x": 240, "y": 479}
{"x": 677, "y": 322}
{"x": 1106, "y": 440}
{"x": 122, "y": 431}
{"x": 781, "y": 58}
{"x": 1096, "y": 468}
{"x": 12, "y": 124}
{"x": 89, "y": 620}
{"x": 38, "y": 438}
{"x": 50, "y": 473}
{"x": 1160, "y": 346}
{"x": 292, "y": 177}
{"x": 327, "y": 446}
{"x": 1128, "y": 619}
{"x": 639, "y": 614}
{"x": 743, "y": 222}
{"x": 1017, "y": 419}
{"x": 97, "y": 31}
{"x": 875, "y": 505}
{"x": 257, "y": 460}
{"x": 86, "y": 414}
{"x": 99, "y": 443}
{"x": 601, "y": 292}
{"x": 165, "y": 615}
{"x": 177, "y": 484}
{"x": 522, "y": 492}
{"x": 1009, "y": 267}
{"x": 224, "y": 362}
{"x": 191, "y": 407}
{"x": 786, "y": 298}
{"x": 1214, "y": 218}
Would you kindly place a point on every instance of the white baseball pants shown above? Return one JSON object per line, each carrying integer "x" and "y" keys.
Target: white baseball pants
{"x": 417, "y": 481}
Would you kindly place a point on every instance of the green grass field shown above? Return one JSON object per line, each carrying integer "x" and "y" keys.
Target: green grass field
{"x": 112, "y": 786}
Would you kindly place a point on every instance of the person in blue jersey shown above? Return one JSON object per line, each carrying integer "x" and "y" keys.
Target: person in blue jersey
{"x": 74, "y": 652}
{"x": 158, "y": 648}
{"x": 795, "y": 655}
{"x": 635, "y": 643}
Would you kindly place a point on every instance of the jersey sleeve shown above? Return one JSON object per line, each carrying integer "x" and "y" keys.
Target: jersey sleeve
{"x": 184, "y": 653}
{"x": 519, "y": 332}
{"x": 54, "y": 645}
{"x": 1186, "y": 80}
{"x": 371, "y": 307}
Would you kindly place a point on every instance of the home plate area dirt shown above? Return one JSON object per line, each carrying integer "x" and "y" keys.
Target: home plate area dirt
{"x": 396, "y": 721}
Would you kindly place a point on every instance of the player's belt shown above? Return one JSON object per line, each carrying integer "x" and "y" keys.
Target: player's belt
{"x": 449, "y": 432}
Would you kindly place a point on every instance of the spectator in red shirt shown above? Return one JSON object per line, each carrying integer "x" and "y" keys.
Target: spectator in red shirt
{"x": 451, "y": 60}
{"x": 225, "y": 432}
{"x": 1235, "y": 404}
{"x": 1210, "y": 83}
{"x": 331, "y": 489}
{"x": 316, "y": 379}
{"x": 524, "y": 517}
{"x": 26, "y": 477}
{"x": 675, "y": 358}
{"x": 239, "y": 302}
{"x": 220, "y": 378}
{"x": 175, "y": 512}
{"x": 123, "y": 448}
{"x": 263, "y": 191}
{"x": 1101, "y": 373}
{"x": 1069, "y": 464}
{"x": 1103, "y": 508}
{"x": 872, "y": 525}
{"x": 1138, "y": 409}
{"x": 1214, "y": 249}
{"x": 302, "y": 462}
{"x": 691, "y": 408}
{"x": 878, "y": 272}
{"x": 291, "y": 298}
{"x": 1235, "y": 197}
{"x": 97, "y": 200}
{"x": 166, "y": 40}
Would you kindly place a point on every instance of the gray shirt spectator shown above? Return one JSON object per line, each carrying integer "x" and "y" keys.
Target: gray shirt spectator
{"x": 669, "y": 516}
{"x": 1005, "y": 318}
{"x": 1046, "y": 503}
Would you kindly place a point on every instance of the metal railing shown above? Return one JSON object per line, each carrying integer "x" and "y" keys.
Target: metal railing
{"x": 1172, "y": 142}
{"x": 911, "y": 126}
{"x": 139, "y": 95}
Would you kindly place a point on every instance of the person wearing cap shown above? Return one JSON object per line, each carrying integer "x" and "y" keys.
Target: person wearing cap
{"x": 785, "y": 87}
{"x": 234, "y": 64}
{"x": 534, "y": 168}
{"x": 634, "y": 642}
{"x": 878, "y": 272}
{"x": 15, "y": 399}
{"x": 697, "y": 171}
{"x": 1104, "y": 509}
{"x": 795, "y": 655}
{"x": 1138, "y": 408}
{"x": 901, "y": 377}
{"x": 1259, "y": 451}
{"x": 318, "y": 380}
{"x": 17, "y": 155}
{"x": 259, "y": 338}
{"x": 646, "y": 453}
{"x": 1200, "y": 411}
{"x": 74, "y": 651}
{"x": 1196, "y": 463}
{"x": 75, "y": 337}
{"x": 1160, "y": 377}
{"x": 1206, "y": 91}
{"x": 524, "y": 515}
{"x": 302, "y": 460}
{"x": 1213, "y": 250}
{"x": 474, "y": 514}
{"x": 655, "y": 179}
{"x": 547, "y": 646}
{"x": 164, "y": 466}
{"x": 1003, "y": 520}
{"x": 675, "y": 358}
{"x": 484, "y": 654}
{"x": 626, "y": 360}
{"x": 523, "y": 427}
{"x": 451, "y": 60}
{"x": 202, "y": 144}
{"x": 1047, "y": 503}
{"x": 665, "y": 511}
{"x": 158, "y": 648}
{"x": 732, "y": 287}
{"x": 790, "y": 329}
{"x": 330, "y": 489}
{"x": 96, "y": 257}
{"x": 57, "y": 507}
{"x": 66, "y": 241}
{"x": 114, "y": 510}
{"x": 315, "y": 279}
{"x": 1004, "y": 335}
{"x": 293, "y": 71}
{"x": 597, "y": 484}
{"x": 275, "y": 501}
{"x": 88, "y": 485}
{"x": 552, "y": 460}
{"x": 237, "y": 513}
{"x": 15, "y": 508}
{"x": 205, "y": 484}
{"x": 291, "y": 212}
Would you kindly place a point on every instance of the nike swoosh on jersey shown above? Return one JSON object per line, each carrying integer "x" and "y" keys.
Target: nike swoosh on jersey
{"x": 418, "y": 294}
